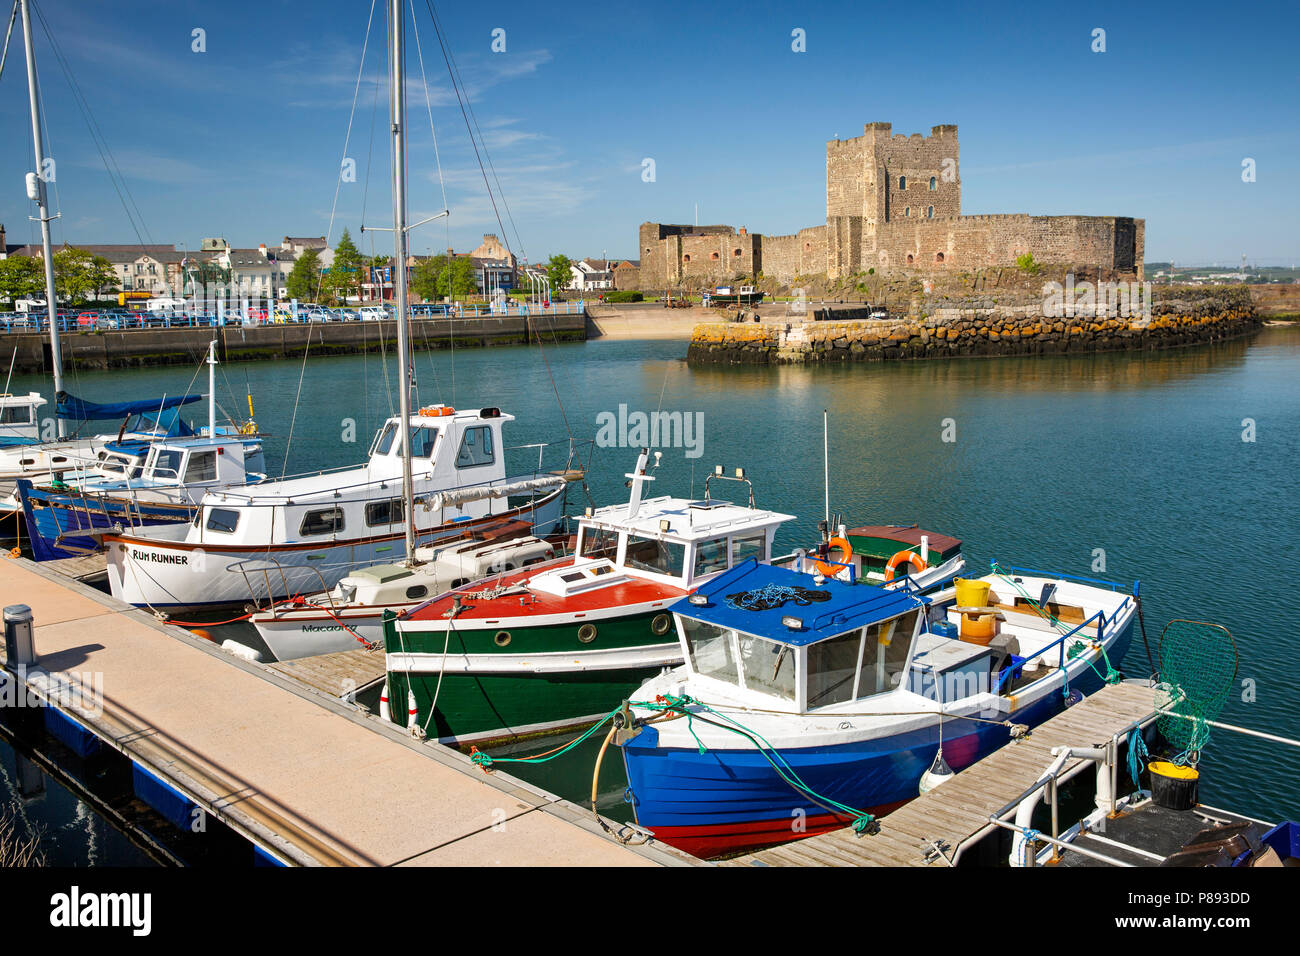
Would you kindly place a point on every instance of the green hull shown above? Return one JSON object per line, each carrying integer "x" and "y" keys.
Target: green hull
{"x": 509, "y": 704}
{"x": 483, "y": 707}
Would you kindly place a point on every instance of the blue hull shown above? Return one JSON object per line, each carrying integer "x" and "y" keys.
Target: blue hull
{"x": 52, "y": 525}
{"x": 722, "y": 801}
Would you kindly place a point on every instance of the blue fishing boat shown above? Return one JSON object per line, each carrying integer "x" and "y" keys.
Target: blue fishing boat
{"x": 808, "y": 703}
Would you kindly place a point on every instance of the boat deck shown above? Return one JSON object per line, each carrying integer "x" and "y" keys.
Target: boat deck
{"x": 312, "y": 780}
{"x": 956, "y": 814}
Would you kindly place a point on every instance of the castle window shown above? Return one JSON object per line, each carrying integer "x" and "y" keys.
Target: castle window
{"x": 902, "y": 182}
{"x": 736, "y": 253}
{"x": 686, "y": 258}
{"x": 938, "y": 257}
{"x": 929, "y": 213}
{"x": 933, "y": 184}
{"x": 713, "y": 255}
{"x": 909, "y": 258}
{"x": 907, "y": 211}
{"x": 807, "y": 247}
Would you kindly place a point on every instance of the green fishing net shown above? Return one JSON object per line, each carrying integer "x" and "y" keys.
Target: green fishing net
{"x": 1198, "y": 670}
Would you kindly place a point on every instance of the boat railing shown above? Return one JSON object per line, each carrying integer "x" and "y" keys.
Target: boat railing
{"x": 252, "y": 498}
{"x": 1099, "y": 618}
{"x": 270, "y": 566}
{"x": 997, "y": 567}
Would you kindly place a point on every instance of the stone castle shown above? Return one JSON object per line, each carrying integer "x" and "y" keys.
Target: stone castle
{"x": 893, "y": 202}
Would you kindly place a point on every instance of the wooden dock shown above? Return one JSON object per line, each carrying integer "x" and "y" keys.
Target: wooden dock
{"x": 343, "y": 674}
{"x": 956, "y": 815}
{"x": 306, "y": 777}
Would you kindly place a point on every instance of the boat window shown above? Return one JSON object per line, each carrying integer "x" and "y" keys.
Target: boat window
{"x": 388, "y": 511}
{"x": 111, "y": 465}
{"x": 885, "y": 654}
{"x": 710, "y": 556}
{"x": 222, "y": 519}
{"x": 598, "y": 543}
{"x": 202, "y": 466}
{"x": 476, "y": 448}
{"x": 832, "y": 668}
{"x": 749, "y": 546}
{"x": 710, "y": 650}
{"x": 384, "y": 443}
{"x": 167, "y": 462}
{"x": 768, "y": 666}
{"x": 15, "y": 415}
{"x": 322, "y": 521}
{"x": 422, "y": 441}
{"x": 657, "y": 557}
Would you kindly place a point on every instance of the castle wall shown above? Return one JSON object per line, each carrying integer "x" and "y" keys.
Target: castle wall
{"x": 890, "y": 197}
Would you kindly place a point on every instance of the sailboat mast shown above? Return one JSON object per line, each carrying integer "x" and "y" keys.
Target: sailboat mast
{"x": 397, "y": 73}
{"x": 36, "y": 191}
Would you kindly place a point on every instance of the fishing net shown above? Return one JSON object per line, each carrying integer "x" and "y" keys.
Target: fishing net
{"x": 1198, "y": 669}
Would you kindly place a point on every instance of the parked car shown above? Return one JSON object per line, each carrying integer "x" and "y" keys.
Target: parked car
{"x": 313, "y": 315}
{"x": 345, "y": 315}
{"x": 87, "y": 319}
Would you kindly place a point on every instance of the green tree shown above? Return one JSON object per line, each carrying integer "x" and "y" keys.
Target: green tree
{"x": 21, "y": 277}
{"x": 345, "y": 273}
{"x": 443, "y": 276}
{"x": 79, "y": 275}
{"x": 557, "y": 271}
{"x": 304, "y": 278}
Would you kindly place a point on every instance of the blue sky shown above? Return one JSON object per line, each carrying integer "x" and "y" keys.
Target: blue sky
{"x": 245, "y": 140}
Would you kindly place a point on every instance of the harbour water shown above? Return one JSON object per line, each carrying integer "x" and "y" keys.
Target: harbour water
{"x": 1177, "y": 468}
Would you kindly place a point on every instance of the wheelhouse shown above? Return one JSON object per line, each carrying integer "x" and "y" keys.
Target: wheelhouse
{"x": 774, "y": 638}
{"x": 18, "y": 422}
{"x": 676, "y": 540}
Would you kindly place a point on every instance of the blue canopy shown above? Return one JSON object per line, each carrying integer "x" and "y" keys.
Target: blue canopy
{"x": 78, "y": 409}
{"x": 754, "y": 598}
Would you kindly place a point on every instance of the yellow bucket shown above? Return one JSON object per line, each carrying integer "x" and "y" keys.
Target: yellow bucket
{"x": 972, "y": 593}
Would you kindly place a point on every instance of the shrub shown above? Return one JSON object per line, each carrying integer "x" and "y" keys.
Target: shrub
{"x": 1027, "y": 264}
{"x": 623, "y": 295}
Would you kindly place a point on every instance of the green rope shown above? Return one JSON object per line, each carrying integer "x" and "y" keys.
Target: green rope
{"x": 485, "y": 761}
{"x": 861, "y": 820}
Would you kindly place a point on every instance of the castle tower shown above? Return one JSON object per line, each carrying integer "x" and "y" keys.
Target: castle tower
{"x": 880, "y": 178}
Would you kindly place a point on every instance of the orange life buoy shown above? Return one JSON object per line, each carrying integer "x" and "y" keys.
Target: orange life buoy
{"x": 911, "y": 557}
{"x": 846, "y": 555}
{"x": 436, "y": 411}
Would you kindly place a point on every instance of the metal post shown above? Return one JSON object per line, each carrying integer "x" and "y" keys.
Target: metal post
{"x": 19, "y": 645}
{"x": 38, "y": 181}
{"x": 397, "y": 16}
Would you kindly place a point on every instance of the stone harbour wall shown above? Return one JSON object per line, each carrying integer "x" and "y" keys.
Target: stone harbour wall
{"x": 952, "y": 333}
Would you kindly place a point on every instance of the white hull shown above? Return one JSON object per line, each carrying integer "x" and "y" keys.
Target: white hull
{"x": 156, "y": 573}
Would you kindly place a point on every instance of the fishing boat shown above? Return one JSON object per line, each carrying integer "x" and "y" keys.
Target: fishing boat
{"x": 300, "y": 535}
{"x": 351, "y": 614}
{"x": 548, "y": 646}
{"x": 807, "y": 703}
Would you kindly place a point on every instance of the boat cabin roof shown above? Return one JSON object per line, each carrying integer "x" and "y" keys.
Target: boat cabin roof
{"x": 907, "y": 535}
{"x": 31, "y": 398}
{"x": 759, "y": 599}
{"x": 688, "y": 519}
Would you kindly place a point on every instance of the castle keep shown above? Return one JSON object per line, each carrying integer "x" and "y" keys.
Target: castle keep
{"x": 893, "y": 202}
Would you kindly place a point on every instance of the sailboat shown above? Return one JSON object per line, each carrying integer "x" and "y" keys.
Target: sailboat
{"x": 434, "y": 474}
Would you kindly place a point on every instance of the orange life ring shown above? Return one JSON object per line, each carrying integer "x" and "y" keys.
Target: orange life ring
{"x": 846, "y": 554}
{"x": 436, "y": 411}
{"x": 911, "y": 557}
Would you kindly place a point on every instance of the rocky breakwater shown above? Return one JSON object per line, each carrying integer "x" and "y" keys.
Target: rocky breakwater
{"x": 1171, "y": 318}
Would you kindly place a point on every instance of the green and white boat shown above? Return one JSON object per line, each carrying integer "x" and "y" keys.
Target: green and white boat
{"x": 557, "y": 644}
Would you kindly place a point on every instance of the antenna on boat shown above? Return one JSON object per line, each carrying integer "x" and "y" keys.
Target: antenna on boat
{"x": 37, "y": 193}
{"x": 637, "y": 478}
{"x": 826, "y": 461}
{"x": 212, "y": 389}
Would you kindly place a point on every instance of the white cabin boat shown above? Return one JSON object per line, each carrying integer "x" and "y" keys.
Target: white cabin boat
{"x": 303, "y": 534}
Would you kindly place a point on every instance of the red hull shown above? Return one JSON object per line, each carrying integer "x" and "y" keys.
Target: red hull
{"x": 723, "y": 839}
